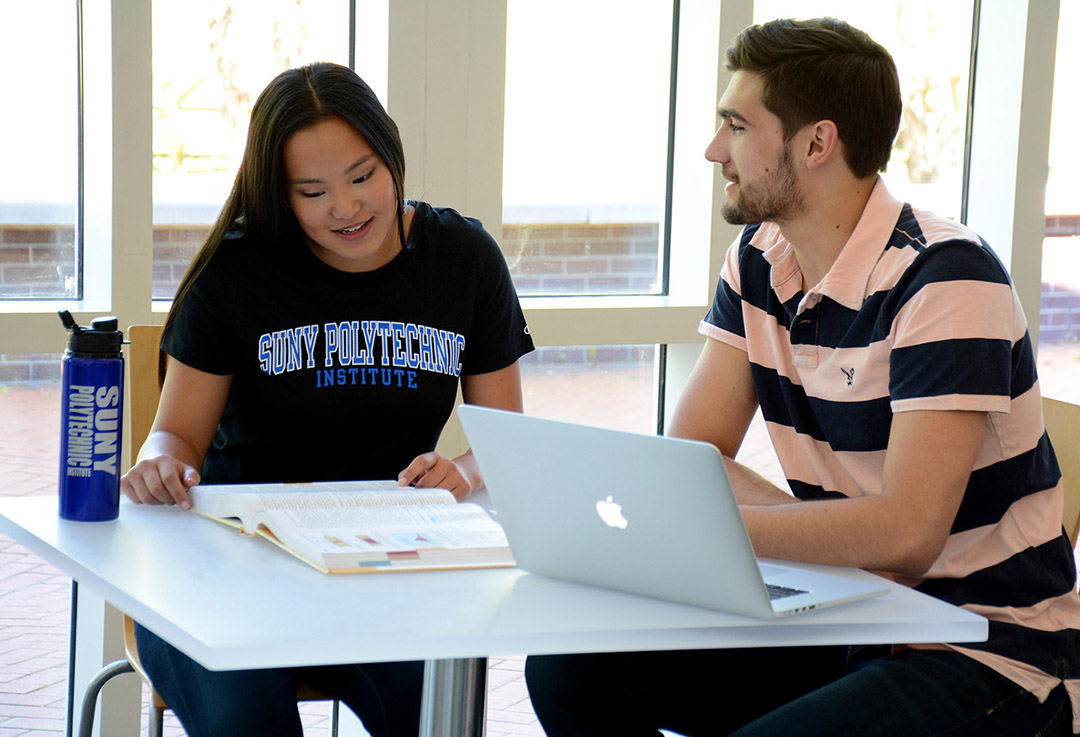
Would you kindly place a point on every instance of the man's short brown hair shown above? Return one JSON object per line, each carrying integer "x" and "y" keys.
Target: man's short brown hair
{"x": 825, "y": 69}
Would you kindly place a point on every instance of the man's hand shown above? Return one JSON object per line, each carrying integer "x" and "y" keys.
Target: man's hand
{"x": 902, "y": 527}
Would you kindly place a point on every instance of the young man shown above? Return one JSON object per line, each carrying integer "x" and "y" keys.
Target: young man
{"x": 890, "y": 358}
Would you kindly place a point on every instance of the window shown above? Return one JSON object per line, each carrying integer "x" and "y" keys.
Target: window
{"x": 37, "y": 48}
{"x": 1059, "y": 320}
{"x": 212, "y": 58}
{"x": 610, "y": 386}
{"x": 39, "y": 256}
{"x": 585, "y": 145}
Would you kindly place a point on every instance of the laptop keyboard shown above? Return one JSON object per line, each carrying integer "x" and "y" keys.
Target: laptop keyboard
{"x": 782, "y": 592}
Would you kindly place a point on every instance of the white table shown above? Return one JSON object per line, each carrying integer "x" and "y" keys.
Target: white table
{"x": 232, "y": 602}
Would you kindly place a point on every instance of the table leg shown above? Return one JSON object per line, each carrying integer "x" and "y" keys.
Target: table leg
{"x": 454, "y": 698}
{"x": 73, "y": 614}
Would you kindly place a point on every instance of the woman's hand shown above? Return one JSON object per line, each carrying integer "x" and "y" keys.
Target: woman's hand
{"x": 500, "y": 389}
{"x": 161, "y": 479}
{"x": 431, "y": 471}
{"x": 173, "y": 452}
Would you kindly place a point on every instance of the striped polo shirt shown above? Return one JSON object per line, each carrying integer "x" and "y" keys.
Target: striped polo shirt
{"x": 917, "y": 313}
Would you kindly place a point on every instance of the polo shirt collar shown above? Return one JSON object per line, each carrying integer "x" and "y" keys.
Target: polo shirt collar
{"x": 847, "y": 279}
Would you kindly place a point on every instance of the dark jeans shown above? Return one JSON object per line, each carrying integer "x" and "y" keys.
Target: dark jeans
{"x": 777, "y": 692}
{"x": 385, "y": 696}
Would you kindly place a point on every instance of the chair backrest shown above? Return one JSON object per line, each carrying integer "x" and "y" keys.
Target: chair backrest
{"x": 143, "y": 395}
{"x": 1062, "y": 421}
{"x": 144, "y": 391}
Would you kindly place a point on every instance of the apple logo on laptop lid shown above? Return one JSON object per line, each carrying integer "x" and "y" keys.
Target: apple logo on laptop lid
{"x": 611, "y": 513}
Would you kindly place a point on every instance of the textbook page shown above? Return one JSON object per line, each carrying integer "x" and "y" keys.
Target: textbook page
{"x": 377, "y": 537}
{"x": 244, "y": 501}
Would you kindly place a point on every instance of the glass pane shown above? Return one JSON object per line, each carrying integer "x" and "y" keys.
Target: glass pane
{"x": 36, "y": 597}
{"x": 931, "y": 44}
{"x": 585, "y": 145}
{"x": 615, "y": 386}
{"x": 29, "y": 423}
{"x": 1059, "y": 321}
{"x": 609, "y": 386}
{"x": 38, "y": 151}
{"x": 212, "y": 58}
{"x": 758, "y": 452}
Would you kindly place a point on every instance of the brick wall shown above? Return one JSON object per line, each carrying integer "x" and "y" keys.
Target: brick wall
{"x": 1060, "y": 226}
{"x": 174, "y": 247}
{"x": 602, "y": 258}
{"x": 37, "y": 262}
{"x": 545, "y": 258}
{"x": 548, "y": 258}
{"x": 1059, "y": 319}
{"x": 33, "y": 368}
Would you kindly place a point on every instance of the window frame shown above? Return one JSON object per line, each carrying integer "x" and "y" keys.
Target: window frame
{"x": 446, "y": 92}
{"x": 445, "y": 89}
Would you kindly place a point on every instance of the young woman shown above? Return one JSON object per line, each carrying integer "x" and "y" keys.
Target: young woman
{"x": 320, "y": 334}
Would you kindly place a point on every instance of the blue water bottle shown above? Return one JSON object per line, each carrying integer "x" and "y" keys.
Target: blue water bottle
{"x": 92, "y": 420}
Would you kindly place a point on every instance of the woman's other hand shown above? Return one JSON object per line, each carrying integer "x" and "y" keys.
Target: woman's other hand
{"x": 161, "y": 479}
{"x": 433, "y": 471}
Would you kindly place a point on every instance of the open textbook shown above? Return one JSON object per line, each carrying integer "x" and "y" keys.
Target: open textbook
{"x": 360, "y": 526}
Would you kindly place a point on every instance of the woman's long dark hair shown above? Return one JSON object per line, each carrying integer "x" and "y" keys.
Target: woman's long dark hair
{"x": 256, "y": 207}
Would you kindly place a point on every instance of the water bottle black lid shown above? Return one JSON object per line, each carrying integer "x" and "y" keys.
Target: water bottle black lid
{"x": 101, "y": 338}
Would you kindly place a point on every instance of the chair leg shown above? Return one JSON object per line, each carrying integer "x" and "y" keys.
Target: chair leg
{"x": 334, "y": 712}
{"x": 89, "y": 705}
{"x": 157, "y": 720}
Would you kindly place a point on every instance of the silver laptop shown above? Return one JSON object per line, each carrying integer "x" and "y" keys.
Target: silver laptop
{"x": 640, "y": 513}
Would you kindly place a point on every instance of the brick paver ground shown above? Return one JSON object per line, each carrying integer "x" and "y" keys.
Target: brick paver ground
{"x": 35, "y": 598}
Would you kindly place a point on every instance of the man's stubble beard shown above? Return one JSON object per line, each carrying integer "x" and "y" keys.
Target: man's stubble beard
{"x": 781, "y": 201}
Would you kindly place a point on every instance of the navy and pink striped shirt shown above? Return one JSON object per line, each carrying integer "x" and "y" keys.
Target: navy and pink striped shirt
{"x": 917, "y": 313}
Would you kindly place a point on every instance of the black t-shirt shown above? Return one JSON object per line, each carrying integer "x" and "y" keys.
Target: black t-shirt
{"x": 341, "y": 376}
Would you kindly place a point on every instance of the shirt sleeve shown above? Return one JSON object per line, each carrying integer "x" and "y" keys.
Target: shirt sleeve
{"x": 724, "y": 320}
{"x": 500, "y": 335}
{"x": 956, "y": 323}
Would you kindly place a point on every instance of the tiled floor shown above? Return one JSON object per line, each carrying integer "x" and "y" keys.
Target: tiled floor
{"x": 34, "y": 598}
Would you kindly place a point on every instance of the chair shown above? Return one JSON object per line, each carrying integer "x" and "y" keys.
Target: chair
{"x": 144, "y": 393}
{"x": 1062, "y": 420}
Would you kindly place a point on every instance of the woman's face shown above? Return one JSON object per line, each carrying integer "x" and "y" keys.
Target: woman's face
{"x": 343, "y": 196}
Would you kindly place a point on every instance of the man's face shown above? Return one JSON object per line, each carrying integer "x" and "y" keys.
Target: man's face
{"x": 749, "y": 147}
